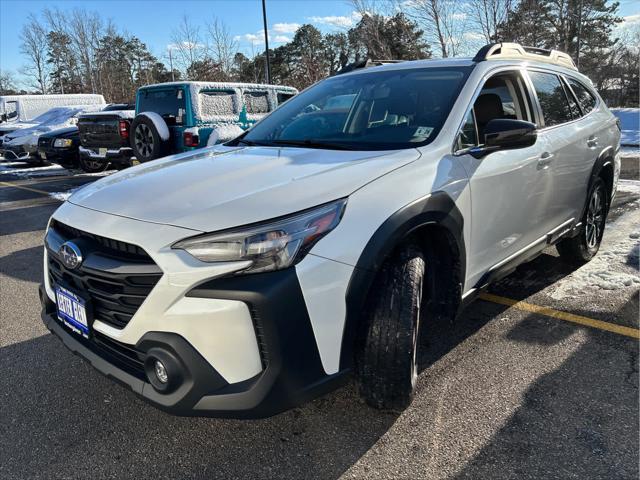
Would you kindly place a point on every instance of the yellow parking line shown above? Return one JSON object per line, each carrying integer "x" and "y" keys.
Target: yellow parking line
{"x": 566, "y": 316}
{"x": 21, "y": 187}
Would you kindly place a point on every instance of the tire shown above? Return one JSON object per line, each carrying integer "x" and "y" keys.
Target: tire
{"x": 580, "y": 249}
{"x": 145, "y": 140}
{"x": 386, "y": 356}
{"x": 92, "y": 166}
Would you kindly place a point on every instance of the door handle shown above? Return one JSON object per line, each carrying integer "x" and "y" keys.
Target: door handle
{"x": 592, "y": 142}
{"x": 544, "y": 160}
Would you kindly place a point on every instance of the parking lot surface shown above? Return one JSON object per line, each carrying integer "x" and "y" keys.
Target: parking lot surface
{"x": 538, "y": 379}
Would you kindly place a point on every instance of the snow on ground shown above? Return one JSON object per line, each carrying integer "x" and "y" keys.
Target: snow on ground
{"x": 63, "y": 196}
{"x": 630, "y": 123}
{"x": 7, "y": 168}
{"x": 615, "y": 267}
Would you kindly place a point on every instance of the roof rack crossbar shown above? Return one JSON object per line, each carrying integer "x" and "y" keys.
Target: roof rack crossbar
{"x": 515, "y": 51}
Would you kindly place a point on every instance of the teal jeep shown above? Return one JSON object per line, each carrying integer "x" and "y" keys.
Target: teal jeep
{"x": 180, "y": 116}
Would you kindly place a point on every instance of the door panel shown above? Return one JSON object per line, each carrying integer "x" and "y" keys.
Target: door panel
{"x": 508, "y": 202}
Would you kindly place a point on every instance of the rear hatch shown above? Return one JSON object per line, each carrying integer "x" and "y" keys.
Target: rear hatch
{"x": 102, "y": 130}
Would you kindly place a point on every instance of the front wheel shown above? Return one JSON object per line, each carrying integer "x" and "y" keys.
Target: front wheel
{"x": 386, "y": 360}
{"x": 583, "y": 247}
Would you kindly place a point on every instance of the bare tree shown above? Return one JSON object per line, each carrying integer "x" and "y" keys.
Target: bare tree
{"x": 488, "y": 15}
{"x": 444, "y": 22}
{"x": 187, "y": 42}
{"x": 223, "y": 47}
{"x": 34, "y": 47}
{"x": 7, "y": 83}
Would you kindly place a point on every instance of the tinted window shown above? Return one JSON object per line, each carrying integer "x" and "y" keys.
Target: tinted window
{"x": 468, "y": 135}
{"x": 553, "y": 101}
{"x": 283, "y": 97}
{"x": 256, "y": 102}
{"x": 169, "y": 103}
{"x": 376, "y": 110}
{"x": 573, "y": 104}
{"x": 585, "y": 97}
{"x": 217, "y": 102}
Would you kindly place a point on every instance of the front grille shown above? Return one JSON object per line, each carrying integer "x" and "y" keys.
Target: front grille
{"x": 44, "y": 142}
{"x": 115, "y": 276}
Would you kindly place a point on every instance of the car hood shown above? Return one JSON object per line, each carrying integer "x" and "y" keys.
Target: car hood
{"x": 224, "y": 187}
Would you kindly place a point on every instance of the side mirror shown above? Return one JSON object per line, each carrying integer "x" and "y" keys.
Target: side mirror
{"x": 506, "y": 134}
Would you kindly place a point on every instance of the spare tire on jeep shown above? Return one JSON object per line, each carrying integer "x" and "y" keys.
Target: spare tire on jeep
{"x": 149, "y": 136}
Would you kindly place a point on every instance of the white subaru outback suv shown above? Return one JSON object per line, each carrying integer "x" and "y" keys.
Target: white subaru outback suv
{"x": 244, "y": 279}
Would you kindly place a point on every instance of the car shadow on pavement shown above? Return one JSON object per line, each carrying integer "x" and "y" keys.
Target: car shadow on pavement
{"x": 26, "y": 219}
{"x": 579, "y": 420}
{"x": 25, "y": 264}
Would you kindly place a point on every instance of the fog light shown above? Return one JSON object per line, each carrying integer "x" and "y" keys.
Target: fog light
{"x": 161, "y": 371}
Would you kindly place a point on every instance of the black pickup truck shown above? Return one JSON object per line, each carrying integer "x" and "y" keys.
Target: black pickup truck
{"x": 104, "y": 138}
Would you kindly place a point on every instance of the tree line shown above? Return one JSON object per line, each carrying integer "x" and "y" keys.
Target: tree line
{"x": 79, "y": 51}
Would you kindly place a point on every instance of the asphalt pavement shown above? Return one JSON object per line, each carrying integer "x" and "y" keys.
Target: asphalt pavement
{"x": 518, "y": 387}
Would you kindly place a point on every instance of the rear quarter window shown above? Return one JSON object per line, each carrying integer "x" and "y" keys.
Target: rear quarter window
{"x": 586, "y": 99}
{"x": 553, "y": 101}
{"x": 218, "y": 103}
{"x": 256, "y": 101}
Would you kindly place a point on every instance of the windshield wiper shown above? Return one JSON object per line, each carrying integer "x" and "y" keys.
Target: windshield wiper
{"x": 310, "y": 143}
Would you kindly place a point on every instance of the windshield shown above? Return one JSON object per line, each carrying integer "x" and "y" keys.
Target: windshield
{"x": 381, "y": 110}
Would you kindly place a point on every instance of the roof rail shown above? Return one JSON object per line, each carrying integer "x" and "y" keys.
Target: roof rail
{"x": 366, "y": 63}
{"x": 515, "y": 51}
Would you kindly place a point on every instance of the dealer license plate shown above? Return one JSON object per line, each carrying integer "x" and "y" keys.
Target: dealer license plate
{"x": 72, "y": 311}
{"x": 43, "y": 155}
{"x": 102, "y": 152}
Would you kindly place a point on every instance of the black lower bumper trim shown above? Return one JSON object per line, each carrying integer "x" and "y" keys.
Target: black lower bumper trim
{"x": 292, "y": 376}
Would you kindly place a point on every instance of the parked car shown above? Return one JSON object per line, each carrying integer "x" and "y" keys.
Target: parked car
{"x": 181, "y": 116}
{"x": 104, "y": 138}
{"x": 22, "y": 144}
{"x": 62, "y": 146}
{"x": 21, "y": 111}
{"x": 250, "y": 277}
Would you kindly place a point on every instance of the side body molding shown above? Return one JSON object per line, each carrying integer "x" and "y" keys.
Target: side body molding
{"x": 434, "y": 209}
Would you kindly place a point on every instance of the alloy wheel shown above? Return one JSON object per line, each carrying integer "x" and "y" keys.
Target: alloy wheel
{"x": 144, "y": 140}
{"x": 595, "y": 218}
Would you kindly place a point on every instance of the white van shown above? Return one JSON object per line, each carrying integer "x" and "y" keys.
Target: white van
{"x": 23, "y": 108}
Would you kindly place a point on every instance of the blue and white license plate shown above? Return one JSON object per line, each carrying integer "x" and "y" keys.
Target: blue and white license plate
{"x": 72, "y": 311}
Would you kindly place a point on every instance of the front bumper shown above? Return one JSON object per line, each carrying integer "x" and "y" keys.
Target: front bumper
{"x": 67, "y": 157}
{"x": 292, "y": 370}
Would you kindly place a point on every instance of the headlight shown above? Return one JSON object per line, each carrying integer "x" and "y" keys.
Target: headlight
{"x": 62, "y": 142}
{"x": 271, "y": 245}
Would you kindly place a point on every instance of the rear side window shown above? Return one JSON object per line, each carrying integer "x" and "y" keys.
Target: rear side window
{"x": 553, "y": 101}
{"x": 584, "y": 96}
{"x": 218, "y": 102}
{"x": 168, "y": 103}
{"x": 256, "y": 101}
{"x": 283, "y": 97}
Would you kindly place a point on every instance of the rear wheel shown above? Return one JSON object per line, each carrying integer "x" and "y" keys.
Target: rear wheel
{"x": 583, "y": 247}
{"x": 386, "y": 361}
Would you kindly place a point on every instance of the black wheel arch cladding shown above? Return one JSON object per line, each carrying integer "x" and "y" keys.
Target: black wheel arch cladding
{"x": 437, "y": 210}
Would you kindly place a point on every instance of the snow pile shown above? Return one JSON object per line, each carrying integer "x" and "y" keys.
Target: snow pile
{"x": 224, "y": 133}
{"x": 614, "y": 267}
{"x": 630, "y": 124}
{"x": 64, "y": 196}
{"x": 159, "y": 123}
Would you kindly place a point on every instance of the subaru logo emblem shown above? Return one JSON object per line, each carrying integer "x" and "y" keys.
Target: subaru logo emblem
{"x": 70, "y": 255}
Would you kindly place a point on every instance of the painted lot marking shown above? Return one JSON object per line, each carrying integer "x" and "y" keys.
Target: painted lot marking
{"x": 22, "y": 187}
{"x": 566, "y": 316}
